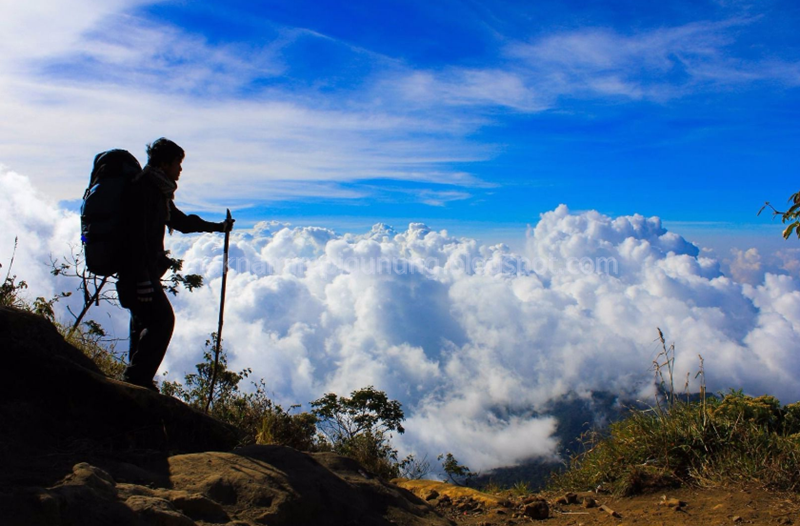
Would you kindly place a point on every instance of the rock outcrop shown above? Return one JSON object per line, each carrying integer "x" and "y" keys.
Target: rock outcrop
{"x": 78, "y": 448}
{"x": 256, "y": 485}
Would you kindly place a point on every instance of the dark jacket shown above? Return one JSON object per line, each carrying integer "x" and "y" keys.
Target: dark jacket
{"x": 145, "y": 213}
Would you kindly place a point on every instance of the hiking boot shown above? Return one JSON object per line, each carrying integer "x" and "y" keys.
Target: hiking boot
{"x": 149, "y": 385}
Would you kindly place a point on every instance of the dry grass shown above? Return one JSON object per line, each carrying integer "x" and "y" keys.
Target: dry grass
{"x": 708, "y": 441}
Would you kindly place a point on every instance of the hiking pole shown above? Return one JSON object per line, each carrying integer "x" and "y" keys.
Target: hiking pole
{"x": 228, "y": 228}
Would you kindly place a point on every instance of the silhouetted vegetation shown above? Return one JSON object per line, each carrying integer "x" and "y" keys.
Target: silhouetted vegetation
{"x": 456, "y": 472}
{"x": 359, "y": 427}
{"x": 88, "y": 336}
{"x": 261, "y": 420}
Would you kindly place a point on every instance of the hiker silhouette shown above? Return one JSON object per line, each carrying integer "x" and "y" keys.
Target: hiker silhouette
{"x": 148, "y": 210}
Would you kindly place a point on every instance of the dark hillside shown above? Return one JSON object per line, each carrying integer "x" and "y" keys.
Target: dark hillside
{"x": 78, "y": 448}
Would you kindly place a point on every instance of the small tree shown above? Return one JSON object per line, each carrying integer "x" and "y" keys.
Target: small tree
{"x": 89, "y": 337}
{"x": 360, "y": 427}
{"x": 414, "y": 468}
{"x": 95, "y": 290}
{"x": 458, "y": 474}
{"x": 196, "y": 389}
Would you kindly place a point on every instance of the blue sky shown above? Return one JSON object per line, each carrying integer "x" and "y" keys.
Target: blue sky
{"x": 470, "y": 116}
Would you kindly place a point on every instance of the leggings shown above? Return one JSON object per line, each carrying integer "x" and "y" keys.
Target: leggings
{"x": 151, "y": 330}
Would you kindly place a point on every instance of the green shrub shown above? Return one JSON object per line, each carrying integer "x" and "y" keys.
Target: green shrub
{"x": 493, "y": 488}
{"x": 359, "y": 427}
{"x": 791, "y": 419}
{"x": 762, "y": 411}
{"x": 700, "y": 441}
{"x": 279, "y": 427}
{"x": 521, "y": 488}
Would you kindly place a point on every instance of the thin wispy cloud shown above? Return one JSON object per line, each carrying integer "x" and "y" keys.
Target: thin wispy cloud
{"x": 488, "y": 88}
{"x": 122, "y": 79}
{"x": 41, "y": 30}
{"x": 599, "y": 63}
{"x": 129, "y": 50}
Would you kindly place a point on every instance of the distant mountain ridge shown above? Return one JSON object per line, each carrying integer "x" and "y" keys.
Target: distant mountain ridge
{"x": 575, "y": 416}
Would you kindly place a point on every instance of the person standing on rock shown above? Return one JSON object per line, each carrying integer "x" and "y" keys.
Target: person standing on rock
{"x": 148, "y": 210}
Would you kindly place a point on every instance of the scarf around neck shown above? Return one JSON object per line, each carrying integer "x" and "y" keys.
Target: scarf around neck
{"x": 166, "y": 185}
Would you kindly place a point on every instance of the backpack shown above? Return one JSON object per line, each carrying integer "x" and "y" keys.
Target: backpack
{"x": 101, "y": 211}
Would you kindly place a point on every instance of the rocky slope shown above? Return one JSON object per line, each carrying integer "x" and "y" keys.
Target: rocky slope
{"x": 77, "y": 448}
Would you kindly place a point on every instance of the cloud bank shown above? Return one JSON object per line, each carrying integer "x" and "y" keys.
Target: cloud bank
{"x": 472, "y": 339}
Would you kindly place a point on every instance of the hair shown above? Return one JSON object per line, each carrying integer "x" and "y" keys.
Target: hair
{"x": 163, "y": 151}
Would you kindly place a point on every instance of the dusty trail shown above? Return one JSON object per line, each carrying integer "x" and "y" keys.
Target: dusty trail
{"x": 674, "y": 507}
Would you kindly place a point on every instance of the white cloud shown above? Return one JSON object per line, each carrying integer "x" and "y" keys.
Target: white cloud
{"x": 41, "y": 228}
{"x": 750, "y": 265}
{"x": 36, "y": 30}
{"x": 746, "y": 266}
{"x": 657, "y": 64}
{"x": 466, "y": 87}
{"x": 471, "y": 339}
{"x": 238, "y": 152}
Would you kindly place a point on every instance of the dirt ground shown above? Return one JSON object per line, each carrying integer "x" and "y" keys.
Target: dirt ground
{"x": 701, "y": 507}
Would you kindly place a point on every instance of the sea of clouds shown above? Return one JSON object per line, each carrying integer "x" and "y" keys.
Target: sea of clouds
{"x": 472, "y": 339}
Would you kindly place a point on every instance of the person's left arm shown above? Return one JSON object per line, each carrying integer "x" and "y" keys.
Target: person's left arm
{"x": 192, "y": 223}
